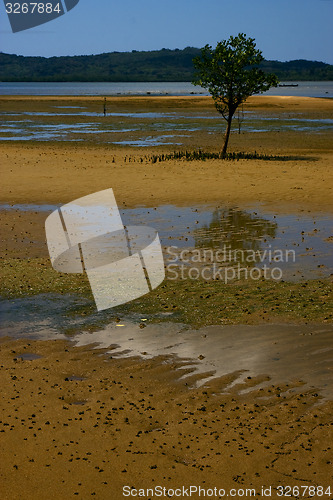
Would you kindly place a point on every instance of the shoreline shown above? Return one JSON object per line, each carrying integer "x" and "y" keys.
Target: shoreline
{"x": 262, "y": 100}
{"x": 80, "y": 421}
{"x": 58, "y": 172}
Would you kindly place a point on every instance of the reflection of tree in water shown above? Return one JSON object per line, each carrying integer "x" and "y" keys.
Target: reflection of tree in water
{"x": 235, "y": 229}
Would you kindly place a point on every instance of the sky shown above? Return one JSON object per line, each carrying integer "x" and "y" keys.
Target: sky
{"x": 283, "y": 29}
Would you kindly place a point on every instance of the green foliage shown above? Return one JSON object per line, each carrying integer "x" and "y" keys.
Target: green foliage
{"x": 231, "y": 74}
{"x": 299, "y": 70}
{"x": 162, "y": 65}
{"x": 159, "y": 65}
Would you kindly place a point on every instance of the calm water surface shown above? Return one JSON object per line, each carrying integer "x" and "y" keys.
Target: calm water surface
{"x": 141, "y": 128}
{"x": 307, "y": 89}
{"x": 237, "y": 231}
{"x": 298, "y": 355}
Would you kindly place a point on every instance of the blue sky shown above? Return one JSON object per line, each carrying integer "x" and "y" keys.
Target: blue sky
{"x": 283, "y": 29}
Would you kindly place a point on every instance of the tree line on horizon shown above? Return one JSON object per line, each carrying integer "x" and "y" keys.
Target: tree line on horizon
{"x": 163, "y": 65}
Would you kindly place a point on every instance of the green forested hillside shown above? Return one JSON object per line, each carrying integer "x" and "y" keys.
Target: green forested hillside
{"x": 153, "y": 66}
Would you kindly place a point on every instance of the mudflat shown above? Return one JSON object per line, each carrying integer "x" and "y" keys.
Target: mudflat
{"x": 58, "y": 172}
{"x": 79, "y": 422}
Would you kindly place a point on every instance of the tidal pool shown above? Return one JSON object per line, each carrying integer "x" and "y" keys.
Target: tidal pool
{"x": 62, "y": 122}
{"x": 299, "y": 244}
{"x": 297, "y": 355}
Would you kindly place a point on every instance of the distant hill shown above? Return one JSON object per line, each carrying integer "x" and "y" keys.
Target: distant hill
{"x": 153, "y": 66}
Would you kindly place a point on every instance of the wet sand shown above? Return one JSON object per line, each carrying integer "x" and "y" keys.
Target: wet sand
{"x": 61, "y": 173}
{"x": 81, "y": 423}
{"x": 286, "y": 353}
{"x": 58, "y": 172}
{"x": 77, "y": 424}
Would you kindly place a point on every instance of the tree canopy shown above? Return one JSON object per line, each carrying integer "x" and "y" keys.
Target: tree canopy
{"x": 138, "y": 66}
{"x": 231, "y": 74}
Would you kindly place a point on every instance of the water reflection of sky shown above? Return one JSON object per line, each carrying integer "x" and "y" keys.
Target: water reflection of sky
{"x": 60, "y": 125}
{"x": 304, "y": 88}
{"x": 204, "y": 227}
{"x": 277, "y": 354}
{"x": 286, "y": 353}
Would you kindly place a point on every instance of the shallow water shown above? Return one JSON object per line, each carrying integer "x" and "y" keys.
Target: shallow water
{"x": 75, "y": 125}
{"x": 307, "y": 89}
{"x": 242, "y": 232}
{"x": 303, "y": 242}
{"x": 27, "y": 207}
{"x": 27, "y": 356}
{"x": 285, "y": 354}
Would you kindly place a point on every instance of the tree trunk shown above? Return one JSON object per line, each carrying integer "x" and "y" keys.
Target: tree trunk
{"x": 227, "y": 134}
